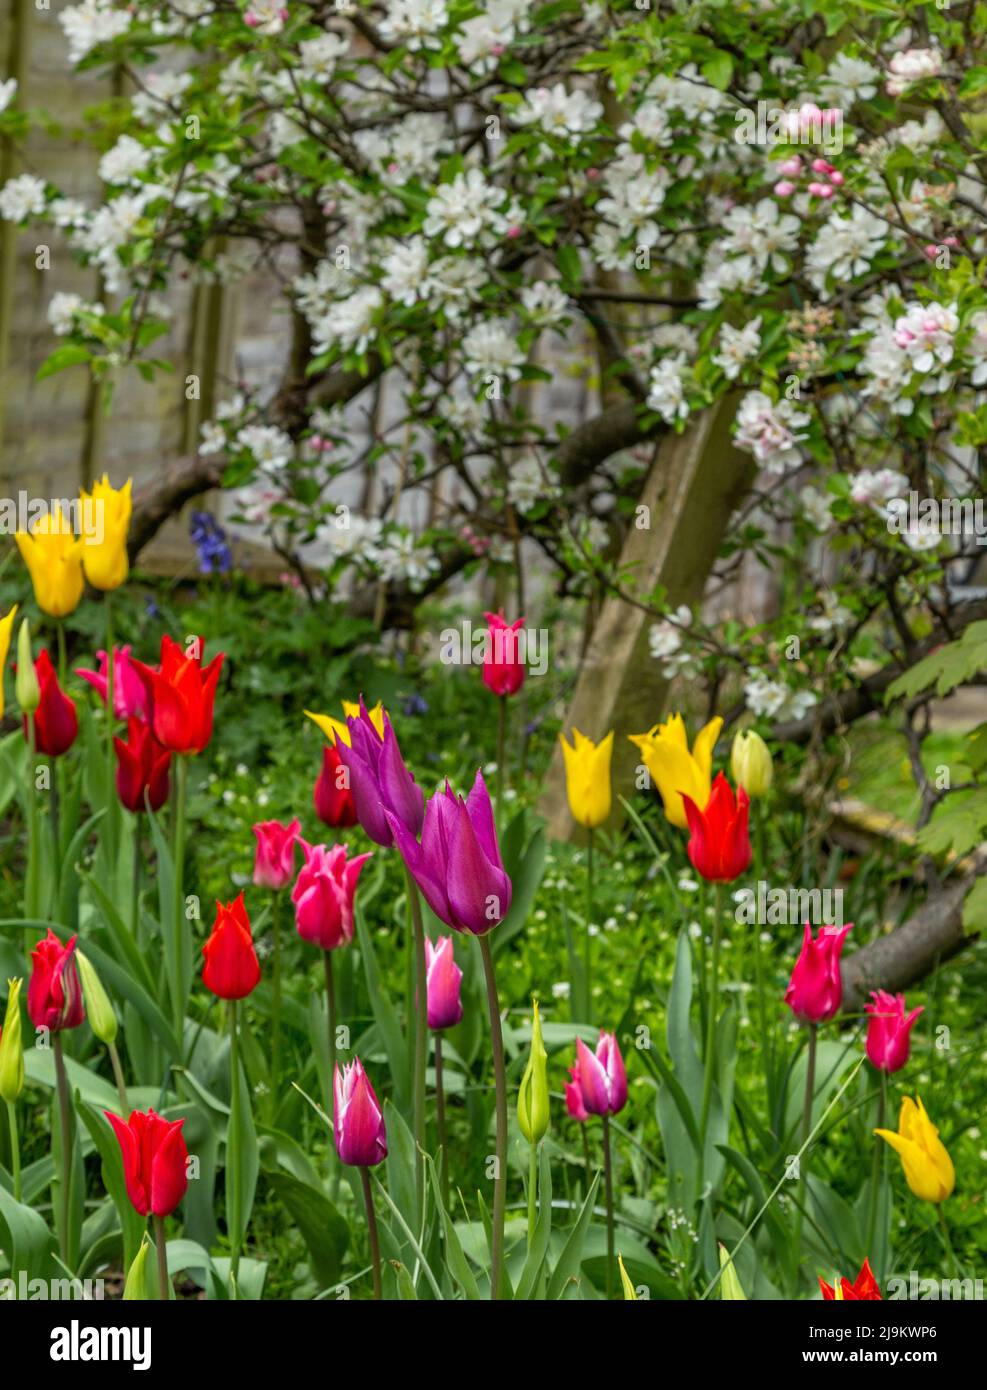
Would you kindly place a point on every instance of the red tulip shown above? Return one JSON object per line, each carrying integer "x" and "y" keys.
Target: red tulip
{"x": 357, "y": 1119}
{"x": 180, "y": 695}
{"x": 443, "y": 979}
{"x": 154, "y": 1161}
{"x": 332, "y": 798}
{"x": 574, "y": 1097}
{"x": 231, "y": 968}
{"x": 889, "y": 1030}
{"x": 601, "y": 1076}
{"x": 55, "y": 723}
{"x": 865, "y": 1288}
{"x": 274, "y": 865}
{"x": 324, "y": 893}
{"x": 503, "y": 673}
{"x": 719, "y": 845}
{"x": 54, "y": 995}
{"x": 142, "y": 767}
{"x": 815, "y": 991}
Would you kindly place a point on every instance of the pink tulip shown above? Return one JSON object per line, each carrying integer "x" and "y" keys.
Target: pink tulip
{"x": 601, "y": 1077}
{"x": 274, "y": 866}
{"x": 324, "y": 893}
{"x": 357, "y": 1119}
{"x": 503, "y": 672}
{"x": 443, "y": 979}
{"x": 889, "y": 1029}
{"x": 574, "y": 1097}
{"x": 129, "y": 696}
{"x": 815, "y": 990}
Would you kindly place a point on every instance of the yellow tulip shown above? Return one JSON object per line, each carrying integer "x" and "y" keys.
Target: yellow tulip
{"x": 673, "y": 769}
{"x": 52, "y": 555}
{"x": 337, "y": 728}
{"x": 928, "y": 1167}
{"x": 105, "y": 523}
{"x": 5, "y": 626}
{"x": 750, "y": 763}
{"x": 587, "y": 778}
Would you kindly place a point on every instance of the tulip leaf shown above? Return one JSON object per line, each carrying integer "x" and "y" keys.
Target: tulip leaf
{"x": 323, "y": 1230}
{"x": 568, "y": 1264}
{"x": 242, "y": 1161}
{"x": 399, "y": 1052}
{"x": 525, "y": 872}
{"x": 26, "y": 1238}
{"x": 456, "y": 1261}
{"x": 534, "y": 1263}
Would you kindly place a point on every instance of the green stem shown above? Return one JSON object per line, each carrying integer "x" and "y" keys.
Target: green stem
{"x": 161, "y": 1249}
{"x": 608, "y": 1184}
{"x": 501, "y": 752}
{"x": 711, "y": 1014}
{"x": 810, "y": 1087}
{"x": 15, "y": 1149}
{"x": 330, "y": 1016}
{"x": 233, "y": 1149}
{"x": 110, "y": 707}
{"x": 500, "y": 1083}
{"x": 62, "y": 654}
{"x": 532, "y": 1192}
{"x": 421, "y": 1037}
{"x": 440, "y": 1123}
{"x": 589, "y": 924}
{"x": 32, "y": 908}
{"x": 368, "y": 1201}
{"x": 135, "y": 883}
{"x": 65, "y": 1144}
{"x": 118, "y": 1078}
{"x": 947, "y": 1243}
{"x": 178, "y": 851}
{"x": 276, "y": 1007}
{"x": 880, "y": 1149}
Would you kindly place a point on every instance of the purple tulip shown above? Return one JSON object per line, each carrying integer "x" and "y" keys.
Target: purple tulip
{"x": 602, "y": 1079}
{"x": 458, "y": 865}
{"x": 443, "y": 978}
{"x": 357, "y": 1119}
{"x": 379, "y": 781}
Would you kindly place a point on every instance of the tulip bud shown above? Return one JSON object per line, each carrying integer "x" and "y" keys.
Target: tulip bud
{"x": 136, "y": 1286}
{"x": 532, "y": 1098}
{"x": 629, "y": 1293}
{"x": 26, "y": 684}
{"x": 100, "y": 1012}
{"x": 730, "y": 1288}
{"x": 11, "y": 1050}
{"x": 750, "y": 763}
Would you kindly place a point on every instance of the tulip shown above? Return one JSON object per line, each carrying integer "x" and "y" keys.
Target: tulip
{"x": 331, "y": 795}
{"x": 338, "y": 730}
{"x": 180, "y": 694}
{"x": 26, "y": 685}
{"x": 601, "y": 1076}
{"x": 443, "y": 980}
{"x": 864, "y": 1289}
{"x": 55, "y": 722}
{"x": 532, "y": 1099}
{"x": 574, "y": 1097}
{"x": 53, "y": 558}
{"x": 888, "y": 1032}
{"x": 673, "y": 769}
{"x": 274, "y": 863}
{"x": 142, "y": 768}
{"x": 383, "y": 788}
{"x": 587, "y": 778}
{"x": 503, "y": 673}
{"x": 719, "y": 844}
{"x": 357, "y": 1119}
{"x": 154, "y": 1161}
{"x": 731, "y": 1289}
{"x": 324, "y": 894}
{"x": 129, "y": 697}
{"x": 54, "y": 994}
{"x": 750, "y": 763}
{"x": 231, "y": 969}
{"x": 106, "y": 520}
{"x": 99, "y": 1011}
{"x": 458, "y": 866}
{"x": 6, "y": 624}
{"x": 815, "y": 991}
{"x": 11, "y": 1047}
{"x": 928, "y": 1167}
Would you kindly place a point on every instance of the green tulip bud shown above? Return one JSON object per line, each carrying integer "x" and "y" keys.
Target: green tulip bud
{"x": 26, "y": 684}
{"x": 750, "y": 763}
{"x": 532, "y": 1099}
{"x": 100, "y": 1012}
{"x": 137, "y": 1285}
{"x": 11, "y": 1048}
{"x": 729, "y": 1282}
{"x": 630, "y": 1293}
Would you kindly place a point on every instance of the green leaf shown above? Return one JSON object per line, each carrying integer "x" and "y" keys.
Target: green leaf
{"x": 569, "y": 1261}
{"x": 718, "y": 69}
{"x": 323, "y": 1230}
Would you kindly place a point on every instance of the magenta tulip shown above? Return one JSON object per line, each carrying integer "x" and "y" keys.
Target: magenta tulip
{"x": 357, "y": 1119}
{"x": 458, "y": 866}
{"x": 443, "y": 978}
{"x": 274, "y": 865}
{"x": 382, "y": 786}
{"x": 815, "y": 991}
{"x": 889, "y": 1030}
{"x": 574, "y": 1097}
{"x": 323, "y": 895}
{"x": 601, "y": 1077}
{"x": 503, "y": 672}
{"x": 129, "y": 696}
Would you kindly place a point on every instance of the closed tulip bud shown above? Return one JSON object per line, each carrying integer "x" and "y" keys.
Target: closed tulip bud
{"x": 730, "y": 1286}
{"x": 11, "y": 1047}
{"x": 532, "y": 1099}
{"x": 630, "y": 1293}
{"x": 357, "y": 1119}
{"x": 231, "y": 969}
{"x": 331, "y": 795}
{"x": 142, "y": 768}
{"x": 587, "y": 778}
{"x": 750, "y": 763}
{"x": 26, "y": 685}
{"x": 928, "y": 1167}
{"x": 106, "y": 520}
{"x": 815, "y": 991}
{"x": 56, "y": 724}
{"x": 100, "y": 1012}
{"x": 443, "y": 979}
{"x": 54, "y": 993}
{"x": 601, "y": 1076}
{"x": 719, "y": 843}
{"x": 274, "y": 862}
{"x": 503, "y": 672}
{"x": 137, "y": 1287}
{"x": 154, "y": 1161}
{"x": 889, "y": 1030}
